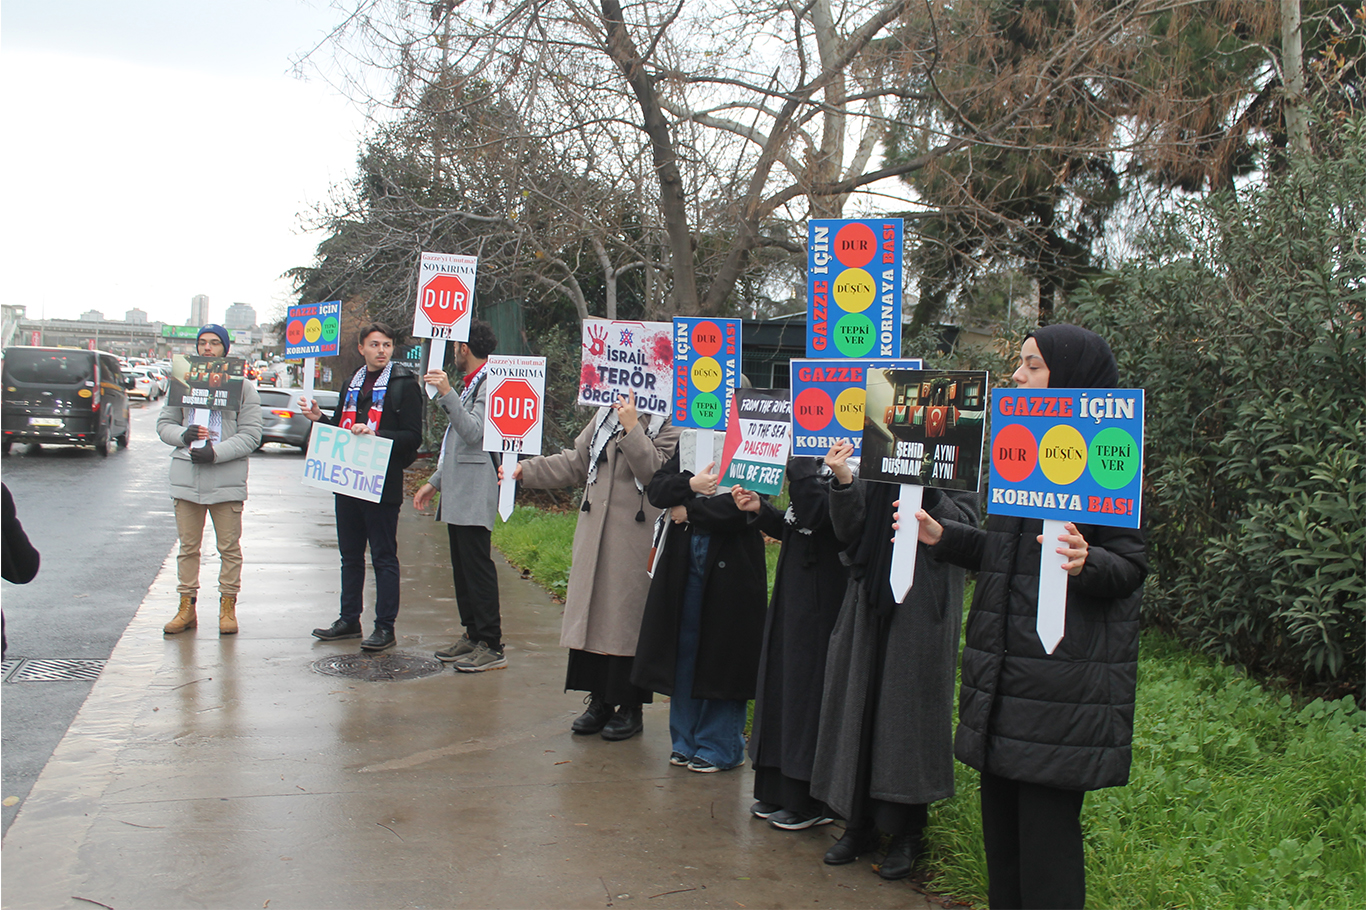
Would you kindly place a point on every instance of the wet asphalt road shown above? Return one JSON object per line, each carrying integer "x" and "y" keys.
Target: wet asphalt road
{"x": 104, "y": 526}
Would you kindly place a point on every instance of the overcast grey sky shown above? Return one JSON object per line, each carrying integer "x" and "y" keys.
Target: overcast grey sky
{"x": 155, "y": 150}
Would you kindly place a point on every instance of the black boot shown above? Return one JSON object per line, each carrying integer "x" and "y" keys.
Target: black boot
{"x": 855, "y": 842}
{"x": 595, "y": 718}
{"x": 627, "y": 722}
{"x": 902, "y": 853}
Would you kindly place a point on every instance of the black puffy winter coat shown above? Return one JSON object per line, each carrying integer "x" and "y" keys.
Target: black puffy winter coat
{"x": 1064, "y": 719}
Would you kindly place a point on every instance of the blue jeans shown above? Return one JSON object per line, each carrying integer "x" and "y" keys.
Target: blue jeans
{"x": 712, "y": 729}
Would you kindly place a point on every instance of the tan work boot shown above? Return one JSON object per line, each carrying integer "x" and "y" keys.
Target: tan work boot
{"x": 227, "y": 614}
{"x": 184, "y": 618}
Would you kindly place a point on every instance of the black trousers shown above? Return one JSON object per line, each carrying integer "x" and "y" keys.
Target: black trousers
{"x": 1033, "y": 845}
{"x": 476, "y": 584}
{"x": 358, "y": 523}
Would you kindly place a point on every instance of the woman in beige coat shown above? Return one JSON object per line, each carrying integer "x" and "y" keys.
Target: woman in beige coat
{"x": 615, "y": 456}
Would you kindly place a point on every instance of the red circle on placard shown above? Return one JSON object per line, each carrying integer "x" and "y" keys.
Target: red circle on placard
{"x": 813, "y": 410}
{"x": 1014, "y": 452}
{"x": 706, "y": 338}
{"x": 855, "y": 245}
{"x": 294, "y": 331}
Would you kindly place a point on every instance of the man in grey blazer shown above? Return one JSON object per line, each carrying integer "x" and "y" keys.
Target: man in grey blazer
{"x": 468, "y": 482}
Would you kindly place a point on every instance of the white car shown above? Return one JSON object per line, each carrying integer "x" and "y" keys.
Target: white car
{"x": 145, "y": 383}
{"x": 162, "y": 375}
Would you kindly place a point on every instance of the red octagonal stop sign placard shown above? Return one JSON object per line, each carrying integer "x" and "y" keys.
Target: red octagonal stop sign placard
{"x": 445, "y": 296}
{"x": 512, "y": 415}
{"x": 514, "y": 408}
{"x": 445, "y": 300}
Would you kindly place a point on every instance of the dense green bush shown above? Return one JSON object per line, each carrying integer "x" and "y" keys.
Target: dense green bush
{"x": 1244, "y": 323}
{"x": 1239, "y": 797}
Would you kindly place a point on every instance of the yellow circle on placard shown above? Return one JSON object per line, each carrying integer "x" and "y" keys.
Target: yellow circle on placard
{"x": 706, "y": 374}
{"x": 854, "y": 290}
{"x": 1062, "y": 454}
{"x": 313, "y": 330}
{"x": 849, "y": 409}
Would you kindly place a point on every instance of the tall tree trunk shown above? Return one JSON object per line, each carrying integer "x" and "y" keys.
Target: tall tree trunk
{"x": 672, "y": 195}
{"x": 1292, "y": 67}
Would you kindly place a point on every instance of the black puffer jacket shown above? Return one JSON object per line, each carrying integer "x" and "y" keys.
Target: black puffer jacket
{"x": 1066, "y": 719}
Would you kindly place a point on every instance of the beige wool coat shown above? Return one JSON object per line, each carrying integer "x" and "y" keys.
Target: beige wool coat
{"x": 607, "y": 579}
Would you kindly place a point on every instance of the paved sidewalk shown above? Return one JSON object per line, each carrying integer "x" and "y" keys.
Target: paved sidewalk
{"x": 208, "y": 772}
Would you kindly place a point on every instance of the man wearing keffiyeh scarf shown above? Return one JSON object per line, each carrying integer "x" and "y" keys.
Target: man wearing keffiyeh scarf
{"x": 380, "y": 400}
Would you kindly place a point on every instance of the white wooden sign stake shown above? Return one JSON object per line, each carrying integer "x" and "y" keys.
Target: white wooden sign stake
{"x": 904, "y": 543}
{"x": 703, "y": 456}
{"x": 200, "y": 418}
{"x": 507, "y": 490}
{"x": 1052, "y": 615}
{"x": 436, "y": 360}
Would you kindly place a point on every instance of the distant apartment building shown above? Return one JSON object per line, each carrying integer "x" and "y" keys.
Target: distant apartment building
{"x": 239, "y": 316}
{"x": 135, "y": 316}
{"x": 199, "y": 310}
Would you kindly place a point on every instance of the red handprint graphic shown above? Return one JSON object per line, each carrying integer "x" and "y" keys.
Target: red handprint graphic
{"x": 597, "y": 336}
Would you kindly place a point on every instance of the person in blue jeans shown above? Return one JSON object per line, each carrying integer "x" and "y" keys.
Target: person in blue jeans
{"x": 703, "y": 624}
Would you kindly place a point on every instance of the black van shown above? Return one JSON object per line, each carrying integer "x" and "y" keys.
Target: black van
{"x": 64, "y": 395}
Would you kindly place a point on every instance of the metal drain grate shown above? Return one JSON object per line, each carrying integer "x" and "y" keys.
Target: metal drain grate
{"x": 378, "y": 667}
{"x": 50, "y": 669}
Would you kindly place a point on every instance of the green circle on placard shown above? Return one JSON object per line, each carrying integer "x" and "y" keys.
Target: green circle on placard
{"x": 330, "y": 326}
{"x": 1113, "y": 458}
{"x": 855, "y": 335}
{"x": 706, "y": 410}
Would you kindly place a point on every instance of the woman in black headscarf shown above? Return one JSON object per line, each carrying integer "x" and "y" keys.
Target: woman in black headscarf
{"x": 1044, "y": 728}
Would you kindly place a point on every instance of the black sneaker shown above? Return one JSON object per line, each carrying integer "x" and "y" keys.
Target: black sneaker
{"x": 787, "y": 820}
{"x": 481, "y": 658}
{"x": 381, "y": 639}
{"x": 678, "y": 759}
{"x": 338, "y": 630}
{"x": 760, "y": 809}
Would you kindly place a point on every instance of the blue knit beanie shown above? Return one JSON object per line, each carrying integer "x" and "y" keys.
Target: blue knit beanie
{"x": 218, "y": 330}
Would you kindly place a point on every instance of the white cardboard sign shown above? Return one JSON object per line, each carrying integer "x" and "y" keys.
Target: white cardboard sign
{"x": 353, "y": 464}
{"x": 515, "y": 414}
{"x": 621, "y": 357}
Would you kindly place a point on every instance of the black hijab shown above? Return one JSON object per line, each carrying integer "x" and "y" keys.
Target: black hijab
{"x": 1077, "y": 358}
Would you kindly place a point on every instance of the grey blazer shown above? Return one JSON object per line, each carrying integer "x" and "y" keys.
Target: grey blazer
{"x": 465, "y": 475}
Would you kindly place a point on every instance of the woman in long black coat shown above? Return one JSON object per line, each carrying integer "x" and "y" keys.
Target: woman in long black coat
{"x": 704, "y": 619}
{"x": 1044, "y": 728}
{"x": 885, "y": 747}
{"x": 807, "y": 592}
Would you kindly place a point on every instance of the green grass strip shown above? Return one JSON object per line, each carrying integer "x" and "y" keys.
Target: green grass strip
{"x": 1239, "y": 797}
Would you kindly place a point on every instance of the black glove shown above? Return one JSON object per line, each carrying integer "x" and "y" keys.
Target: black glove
{"x": 203, "y": 454}
{"x": 190, "y": 435}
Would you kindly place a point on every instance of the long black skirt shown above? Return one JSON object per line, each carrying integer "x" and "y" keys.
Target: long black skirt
{"x": 607, "y": 675}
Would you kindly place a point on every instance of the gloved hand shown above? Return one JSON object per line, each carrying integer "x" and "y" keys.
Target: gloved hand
{"x": 190, "y": 435}
{"x": 203, "y": 454}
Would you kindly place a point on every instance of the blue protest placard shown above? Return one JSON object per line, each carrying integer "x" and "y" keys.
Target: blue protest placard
{"x": 312, "y": 330}
{"x": 827, "y": 402}
{"x": 853, "y": 287}
{"x": 1068, "y": 455}
{"x": 706, "y": 370}
{"x": 353, "y": 464}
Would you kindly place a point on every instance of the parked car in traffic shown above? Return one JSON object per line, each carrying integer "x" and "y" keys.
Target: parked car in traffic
{"x": 63, "y": 395}
{"x": 283, "y": 420}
